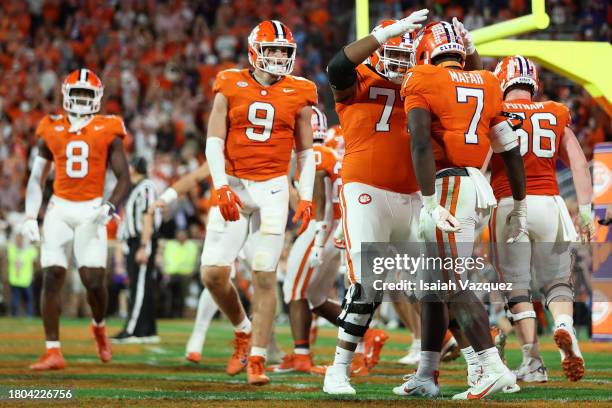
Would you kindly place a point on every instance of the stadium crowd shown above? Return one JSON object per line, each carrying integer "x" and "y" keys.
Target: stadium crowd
{"x": 157, "y": 60}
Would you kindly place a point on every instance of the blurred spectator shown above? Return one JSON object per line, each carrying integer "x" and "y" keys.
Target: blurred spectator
{"x": 21, "y": 263}
{"x": 180, "y": 262}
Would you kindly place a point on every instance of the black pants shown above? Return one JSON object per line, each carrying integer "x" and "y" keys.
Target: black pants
{"x": 178, "y": 290}
{"x": 142, "y": 286}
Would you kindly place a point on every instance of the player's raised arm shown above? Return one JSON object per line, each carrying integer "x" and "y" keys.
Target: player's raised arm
{"x": 572, "y": 155}
{"x": 341, "y": 68}
{"x": 306, "y": 166}
{"x": 472, "y": 58}
{"x": 34, "y": 190}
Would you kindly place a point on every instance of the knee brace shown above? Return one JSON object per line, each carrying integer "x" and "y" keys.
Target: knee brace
{"x": 515, "y": 299}
{"x": 558, "y": 291}
{"x": 355, "y": 316}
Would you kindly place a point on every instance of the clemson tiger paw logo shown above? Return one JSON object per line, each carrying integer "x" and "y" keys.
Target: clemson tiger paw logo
{"x": 365, "y": 198}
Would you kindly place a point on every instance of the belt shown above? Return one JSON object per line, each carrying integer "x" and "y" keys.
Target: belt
{"x": 453, "y": 171}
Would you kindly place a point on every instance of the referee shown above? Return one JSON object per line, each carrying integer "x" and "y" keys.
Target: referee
{"x": 138, "y": 232}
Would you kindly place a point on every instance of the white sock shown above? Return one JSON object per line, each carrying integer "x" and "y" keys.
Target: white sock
{"x": 96, "y": 324}
{"x": 244, "y": 326}
{"x": 343, "y": 357}
{"x": 430, "y": 361}
{"x": 259, "y": 351}
{"x": 52, "y": 344}
{"x": 206, "y": 311}
{"x": 301, "y": 351}
{"x": 490, "y": 360}
{"x": 360, "y": 347}
{"x": 564, "y": 320}
{"x": 416, "y": 344}
{"x": 470, "y": 356}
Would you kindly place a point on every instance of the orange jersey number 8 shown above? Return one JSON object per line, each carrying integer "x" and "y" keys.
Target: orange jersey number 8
{"x": 77, "y": 152}
{"x": 265, "y": 121}
{"x": 538, "y": 132}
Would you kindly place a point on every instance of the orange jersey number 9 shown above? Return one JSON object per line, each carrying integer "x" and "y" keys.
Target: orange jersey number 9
{"x": 538, "y": 132}
{"x": 263, "y": 122}
{"x": 77, "y": 152}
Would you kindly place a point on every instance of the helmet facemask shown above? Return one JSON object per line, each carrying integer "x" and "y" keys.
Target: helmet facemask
{"x": 81, "y": 99}
{"x": 394, "y": 62}
{"x": 275, "y": 64}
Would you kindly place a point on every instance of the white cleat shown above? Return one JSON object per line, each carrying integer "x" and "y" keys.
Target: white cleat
{"x": 337, "y": 381}
{"x": 419, "y": 387}
{"x": 413, "y": 357}
{"x": 489, "y": 384}
{"x": 532, "y": 370}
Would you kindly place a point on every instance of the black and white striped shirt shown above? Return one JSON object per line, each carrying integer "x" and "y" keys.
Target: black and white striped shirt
{"x": 143, "y": 194}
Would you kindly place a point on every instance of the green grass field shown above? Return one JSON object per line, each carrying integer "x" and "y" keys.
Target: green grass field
{"x": 158, "y": 375}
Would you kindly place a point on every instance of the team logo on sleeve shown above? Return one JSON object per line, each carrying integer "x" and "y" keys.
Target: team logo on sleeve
{"x": 242, "y": 84}
{"x": 365, "y": 198}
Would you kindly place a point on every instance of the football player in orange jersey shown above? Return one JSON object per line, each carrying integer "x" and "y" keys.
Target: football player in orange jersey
{"x": 379, "y": 196}
{"x": 257, "y": 118}
{"x": 544, "y": 137}
{"x": 312, "y": 266}
{"x": 452, "y": 115}
{"x": 79, "y": 144}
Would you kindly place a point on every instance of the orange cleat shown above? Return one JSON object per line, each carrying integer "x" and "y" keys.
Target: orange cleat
{"x": 450, "y": 348}
{"x": 374, "y": 341}
{"x": 51, "y": 360}
{"x": 256, "y": 371}
{"x": 572, "y": 361}
{"x": 194, "y": 357}
{"x": 238, "y": 360}
{"x": 287, "y": 365}
{"x": 318, "y": 369}
{"x": 359, "y": 367}
{"x": 103, "y": 345}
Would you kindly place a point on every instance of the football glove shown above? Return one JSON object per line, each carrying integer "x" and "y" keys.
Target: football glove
{"x": 517, "y": 222}
{"x": 102, "y": 214}
{"x": 468, "y": 43}
{"x": 402, "y": 26}
{"x": 586, "y": 223}
{"x": 30, "y": 230}
{"x": 304, "y": 213}
{"x": 443, "y": 219}
{"x": 229, "y": 203}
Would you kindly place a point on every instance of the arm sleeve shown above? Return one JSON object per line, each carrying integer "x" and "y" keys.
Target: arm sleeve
{"x": 341, "y": 71}
{"x": 34, "y": 192}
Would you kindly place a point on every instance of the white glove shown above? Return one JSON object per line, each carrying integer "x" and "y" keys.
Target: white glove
{"x": 468, "y": 43}
{"x": 586, "y": 222}
{"x": 102, "y": 214}
{"x": 319, "y": 242}
{"x": 402, "y": 26}
{"x": 29, "y": 229}
{"x": 441, "y": 216}
{"x": 517, "y": 221}
{"x": 168, "y": 196}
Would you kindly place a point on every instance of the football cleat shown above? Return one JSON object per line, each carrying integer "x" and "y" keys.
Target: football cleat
{"x": 488, "y": 384}
{"x": 413, "y": 357}
{"x": 238, "y": 360}
{"x": 194, "y": 357}
{"x": 450, "y": 348}
{"x": 571, "y": 357}
{"x": 474, "y": 374}
{"x": 103, "y": 346}
{"x": 51, "y": 360}
{"x": 256, "y": 371}
{"x": 532, "y": 370}
{"x": 337, "y": 381}
{"x": 419, "y": 387}
{"x": 359, "y": 368}
{"x": 374, "y": 340}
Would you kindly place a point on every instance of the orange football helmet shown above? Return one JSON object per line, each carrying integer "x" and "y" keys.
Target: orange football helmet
{"x": 319, "y": 125}
{"x": 517, "y": 70}
{"x": 272, "y": 34}
{"x": 435, "y": 39}
{"x": 394, "y": 58}
{"x": 81, "y": 103}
